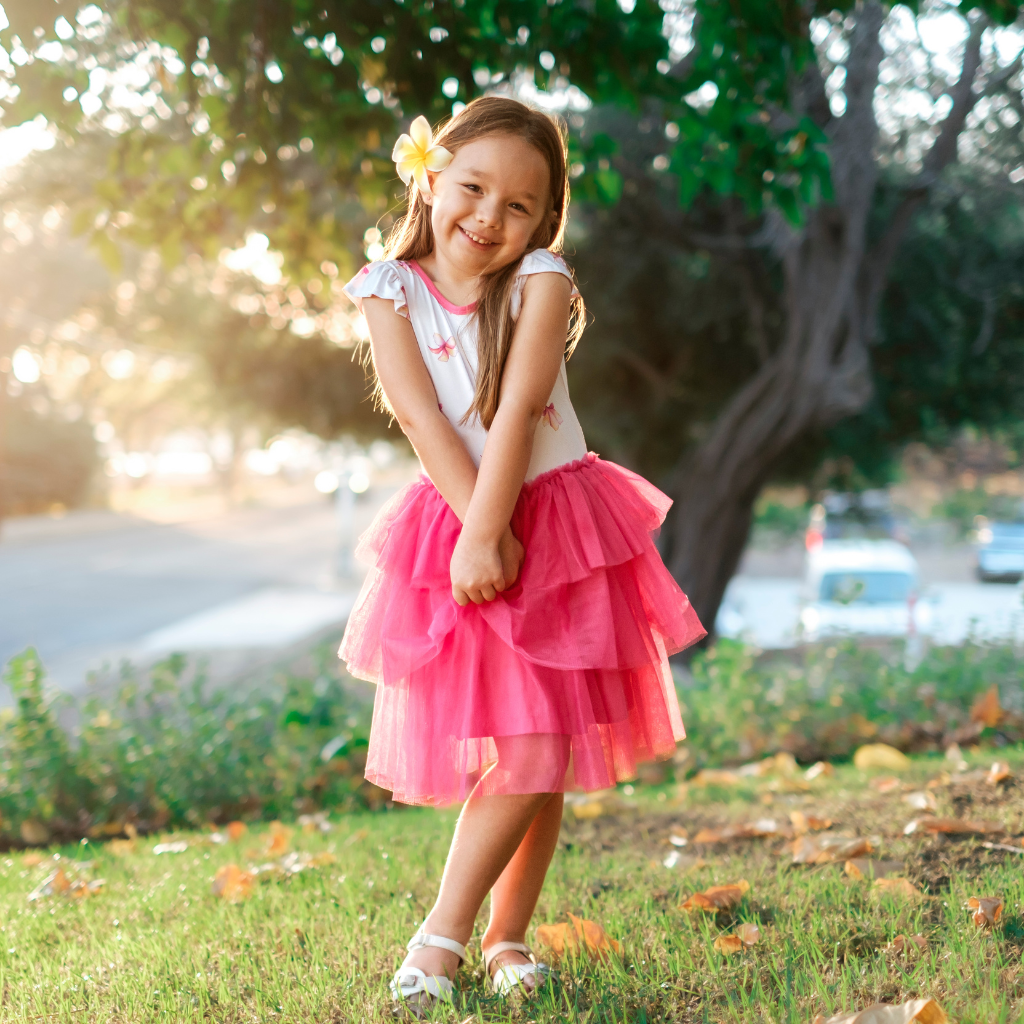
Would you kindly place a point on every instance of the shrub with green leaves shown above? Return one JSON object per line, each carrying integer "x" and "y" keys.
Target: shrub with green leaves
{"x": 822, "y": 702}
{"x": 173, "y": 750}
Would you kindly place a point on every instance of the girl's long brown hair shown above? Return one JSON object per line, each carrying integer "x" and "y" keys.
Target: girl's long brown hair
{"x": 412, "y": 238}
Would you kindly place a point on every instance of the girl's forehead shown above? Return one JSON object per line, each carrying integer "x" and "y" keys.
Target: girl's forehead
{"x": 504, "y": 162}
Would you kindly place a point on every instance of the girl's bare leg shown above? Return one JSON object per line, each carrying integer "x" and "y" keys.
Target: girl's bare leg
{"x": 489, "y": 834}
{"x": 515, "y": 894}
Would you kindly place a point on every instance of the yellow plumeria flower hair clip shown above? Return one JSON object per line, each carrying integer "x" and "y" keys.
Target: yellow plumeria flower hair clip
{"x": 415, "y": 154}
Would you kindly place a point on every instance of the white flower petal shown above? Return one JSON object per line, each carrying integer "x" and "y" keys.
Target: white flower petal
{"x": 407, "y": 167}
{"x": 422, "y": 181}
{"x": 421, "y": 133}
{"x": 404, "y": 148}
{"x": 437, "y": 158}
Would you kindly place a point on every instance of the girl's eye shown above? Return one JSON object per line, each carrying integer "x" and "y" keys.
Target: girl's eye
{"x": 519, "y": 206}
{"x": 467, "y": 185}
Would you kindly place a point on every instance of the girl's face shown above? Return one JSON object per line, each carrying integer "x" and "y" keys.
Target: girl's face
{"x": 489, "y": 202}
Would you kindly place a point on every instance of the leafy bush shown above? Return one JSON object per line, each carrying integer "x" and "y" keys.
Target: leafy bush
{"x": 824, "y": 701}
{"x": 172, "y": 751}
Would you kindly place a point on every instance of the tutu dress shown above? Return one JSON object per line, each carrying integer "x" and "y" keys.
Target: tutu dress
{"x": 562, "y": 682}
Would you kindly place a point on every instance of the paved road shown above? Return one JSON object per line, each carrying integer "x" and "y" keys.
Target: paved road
{"x": 97, "y": 586}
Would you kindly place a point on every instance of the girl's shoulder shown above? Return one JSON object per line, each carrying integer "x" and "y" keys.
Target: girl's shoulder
{"x": 384, "y": 279}
{"x": 539, "y": 261}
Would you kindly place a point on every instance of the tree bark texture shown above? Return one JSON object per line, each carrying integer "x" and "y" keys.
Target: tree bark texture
{"x": 820, "y": 372}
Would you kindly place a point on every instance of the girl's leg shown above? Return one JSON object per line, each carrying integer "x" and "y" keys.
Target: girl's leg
{"x": 515, "y": 894}
{"x": 490, "y": 831}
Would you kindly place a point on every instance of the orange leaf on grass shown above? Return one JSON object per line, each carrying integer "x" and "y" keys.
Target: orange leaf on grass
{"x": 885, "y": 784}
{"x": 715, "y": 777}
{"x": 32, "y": 859}
{"x": 825, "y": 849}
{"x": 718, "y": 897}
{"x": 987, "y": 910}
{"x": 897, "y": 887}
{"x": 951, "y": 826}
{"x": 579, "y": 935}
{"x": 280, "y": 839}
{"x": 235, "y": 830}
{"x": 818, "y": 770}
{"x": 231, "y": 883}
{"x": 748, "y": 933}
{"x": 726, "y": 944}
{"x": 923, "y": 1011}
{"x": 1000, "y": 770}
{"x": 904, "y": 945}
{"x": 808, "y": 822}
{"x": 986, "y": 709}
{"x": 859, "y": 868}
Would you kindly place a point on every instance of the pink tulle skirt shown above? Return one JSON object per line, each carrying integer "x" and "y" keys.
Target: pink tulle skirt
{"x": 560, "y": 683}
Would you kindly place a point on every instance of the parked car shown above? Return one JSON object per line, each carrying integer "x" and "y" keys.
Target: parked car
{"x": 864, "y": 587}
{"x": 867, "y": 515}
{"x": 999, "y": 550}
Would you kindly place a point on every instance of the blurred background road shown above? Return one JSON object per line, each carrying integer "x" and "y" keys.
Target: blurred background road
{"x": 94, "y": 587}
{"x": 243, "y": 586}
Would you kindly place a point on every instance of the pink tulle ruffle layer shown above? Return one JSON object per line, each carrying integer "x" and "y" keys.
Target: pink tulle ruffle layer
{"x": 560, "y": 683}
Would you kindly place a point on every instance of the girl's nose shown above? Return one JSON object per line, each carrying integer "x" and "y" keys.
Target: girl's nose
{"x": 489, "y": 215}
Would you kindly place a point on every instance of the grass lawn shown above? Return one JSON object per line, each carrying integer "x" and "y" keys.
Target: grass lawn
{"x": 155, "y": 943}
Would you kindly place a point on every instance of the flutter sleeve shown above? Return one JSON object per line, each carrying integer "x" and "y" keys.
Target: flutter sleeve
{"x": 379, "y": 279}
{"x": 540, "y": 261}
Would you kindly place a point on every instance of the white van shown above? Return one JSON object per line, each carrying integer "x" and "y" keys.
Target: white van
{"x": 862, "y": 587}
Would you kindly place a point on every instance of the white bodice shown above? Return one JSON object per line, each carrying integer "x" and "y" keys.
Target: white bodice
{"x": 447, "y": 339}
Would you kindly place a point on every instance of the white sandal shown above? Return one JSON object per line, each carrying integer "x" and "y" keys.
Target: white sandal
{"x": 511, "y": 977}
{"x": 411, "y": 981}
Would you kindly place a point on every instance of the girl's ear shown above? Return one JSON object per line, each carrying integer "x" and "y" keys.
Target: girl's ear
{"x": 428, "y": 197}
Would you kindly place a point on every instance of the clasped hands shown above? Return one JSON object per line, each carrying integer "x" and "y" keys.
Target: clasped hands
{"x": 481, "y": 568}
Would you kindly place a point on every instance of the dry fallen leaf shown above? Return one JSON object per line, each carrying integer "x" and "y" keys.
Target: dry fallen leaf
{"x": 987, "y": 910}
{"x": 987, "y": 709}
{"x": 744, "y": 830}
{"x": 860, "y": 867}
{"x": 885, "y": 784}
{"x": 122, "y": 847}
{"x": 235, "y": 830}
{"x": 587, "y": 811}
{"x": 32, "y": 859}
{"x": 880, "y": 755}
{"x": 726, "y": 944}
{"x": 748, "y": 933}
{"x": 922, "y": 801}
{"x": 579, "y": 935}
{"x": 718, "y": 897}
{"x": 1000, "y": 770}
{"x": 904, "y": 945}
{"x": 824, "y": 849}
{"x": 923, "y": 1011}
{"x": 896, "y": 887}
{"x": 808, "y": 822}
{"x": 951, "y": 826}
{"x": 715, "y": 777}
{"x": 820, "y": 769}
{"x": 58, "y": 884}
{"x": 280, "y": 839}
{"x": 231, "y": 883}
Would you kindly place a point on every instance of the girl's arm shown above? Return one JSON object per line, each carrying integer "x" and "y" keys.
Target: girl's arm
{"x": 533, "y": 364}
{"x": 411, "y": 395}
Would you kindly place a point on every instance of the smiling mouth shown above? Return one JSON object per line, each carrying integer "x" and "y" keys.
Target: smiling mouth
{"x": 476, "y": 238}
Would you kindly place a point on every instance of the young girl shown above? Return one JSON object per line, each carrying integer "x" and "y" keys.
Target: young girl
{"x": 517, "y": 618}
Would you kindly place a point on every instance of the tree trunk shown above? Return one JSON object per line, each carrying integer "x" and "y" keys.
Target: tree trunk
{"x": 818, "y": 374}
{"x": 833, "y": 284}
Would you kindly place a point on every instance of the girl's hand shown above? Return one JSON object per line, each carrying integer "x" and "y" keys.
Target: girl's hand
{"x": 476, "y": 570}
{"x": 512, "y": 556}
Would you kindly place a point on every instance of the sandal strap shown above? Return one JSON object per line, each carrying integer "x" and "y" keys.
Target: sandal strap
{"x": 421, "y": 939}
{"x": 505, "y": 947}
{"x": 511, "y": 977}
{"x": 402, "y": 987}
